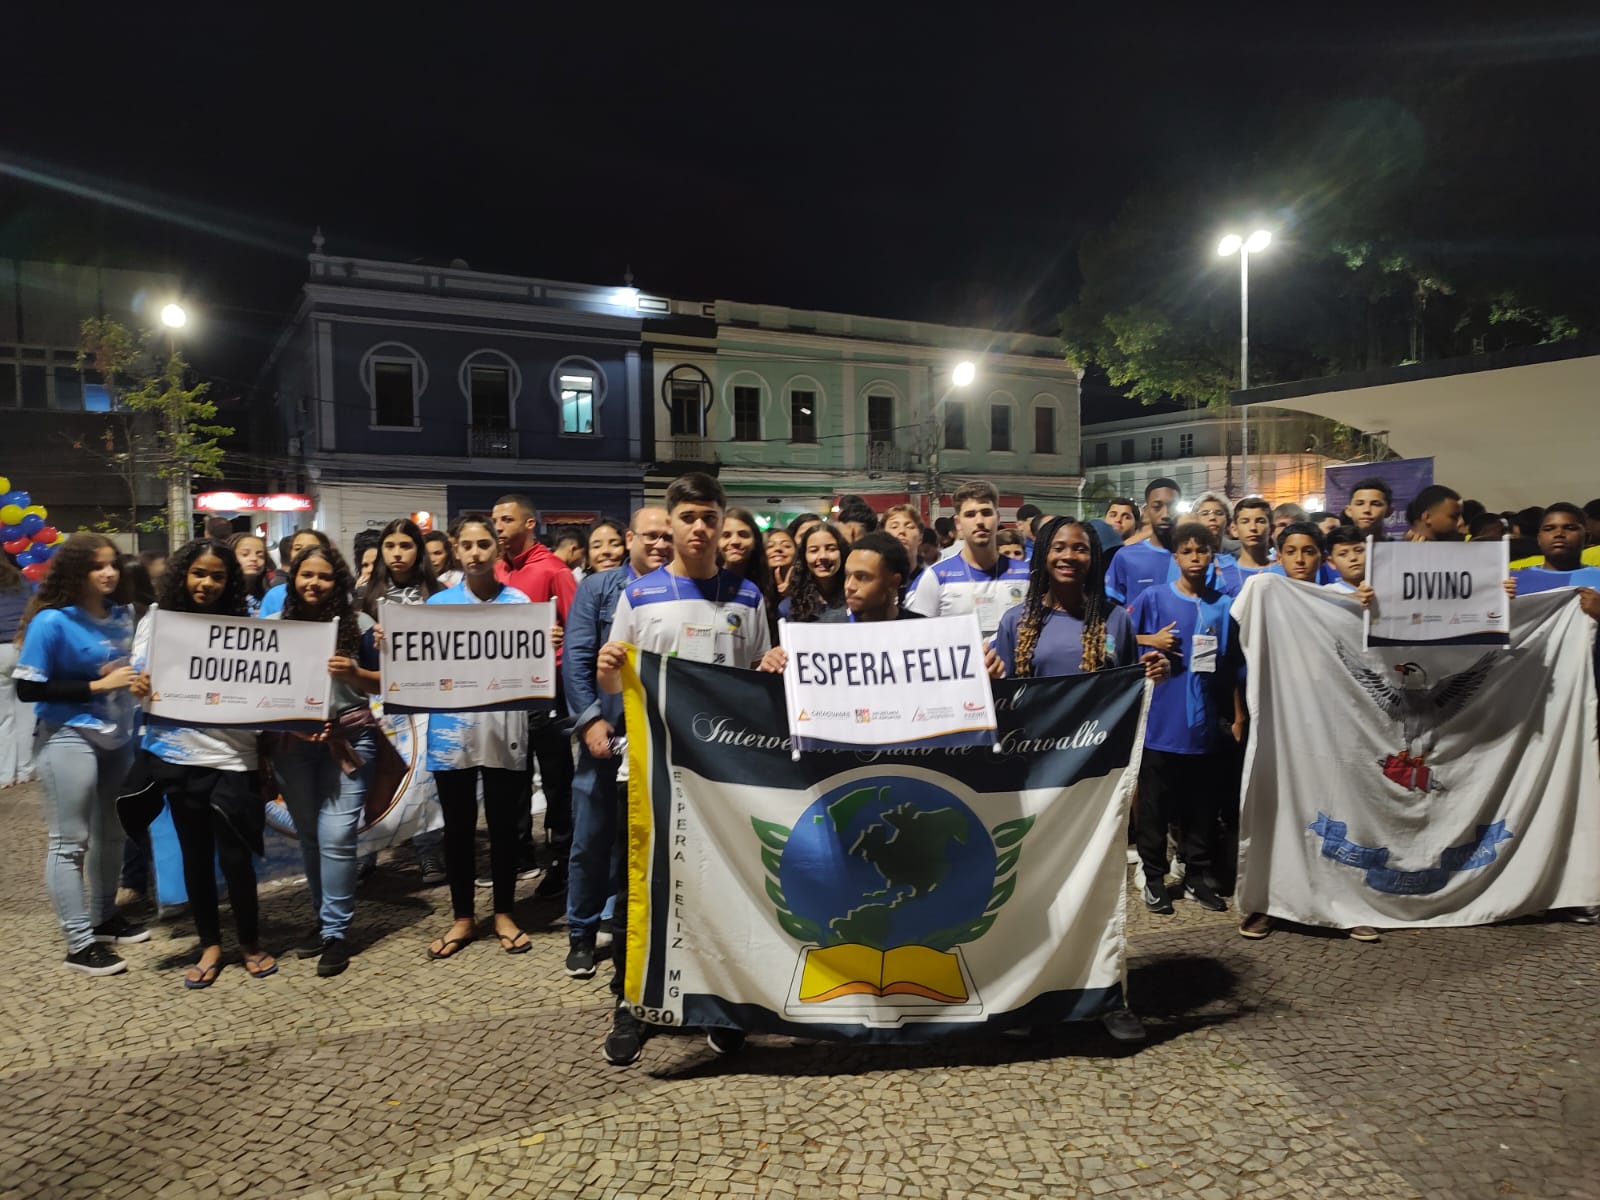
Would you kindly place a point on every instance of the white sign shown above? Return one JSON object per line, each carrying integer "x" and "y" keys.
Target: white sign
{"x": 1438, "y": 593}
{"x": 466, "y": 657}
{"x": 887, "y": 683}
{"x": 238, "y": 671}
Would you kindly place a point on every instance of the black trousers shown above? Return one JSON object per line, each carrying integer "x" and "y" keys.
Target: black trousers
{"x": 619, "y": 919}
{"x": 551, "y": 743}
{"x": 199, "y": 798}
{"x": 505, "y": 793}
{"x": 1182, "y": 790}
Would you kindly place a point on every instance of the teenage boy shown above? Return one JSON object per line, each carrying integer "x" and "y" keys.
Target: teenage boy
{"x": 1370, "y": 503}
{"x": 1139, "y": 566}
{"x": 1435, "y": 515}
{"x": 1184, "y": 769}
{"x": 1347, "y": 554}
{"x": 1123, "y": 516}
{"x": 1027, "y": 521}
{"x": 979, "y": 579}
{"x": 597, "y": 720}
{"x": 533, "y": 570}
{"x": 1252, "y": 525}
{"x": 690, "y": 609}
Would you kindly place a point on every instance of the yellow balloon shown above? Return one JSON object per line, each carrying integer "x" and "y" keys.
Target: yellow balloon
{"x": 10, "y": 514}
{"x": 60, "y": 537}
{"x": 5, "y": 484}
{"x": 37, "y": 510}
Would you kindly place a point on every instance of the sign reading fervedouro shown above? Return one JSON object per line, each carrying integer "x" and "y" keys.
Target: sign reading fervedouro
{"x": 466, "y": 657}
{"x": 1438, "y": 593}
{"x": 888, "y": 683}
{"x": 238, "y": 671}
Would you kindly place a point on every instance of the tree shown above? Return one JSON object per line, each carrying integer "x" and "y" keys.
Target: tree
{"x": 185, "y": 444}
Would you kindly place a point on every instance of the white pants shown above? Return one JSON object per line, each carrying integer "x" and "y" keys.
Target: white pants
{"x": 16, "y": 724}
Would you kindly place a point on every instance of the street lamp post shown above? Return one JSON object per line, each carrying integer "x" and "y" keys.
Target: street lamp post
{"x": 961, "y": 376}
{"x": 179, "y": 518}
{"x": 1244, "y": 248}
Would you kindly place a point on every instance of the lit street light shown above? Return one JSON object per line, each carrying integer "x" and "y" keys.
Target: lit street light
{"x": 174, "y": 317}
{"x": 180, "y": 512}
{"x": 963, "y": 374}
{"x": 1244, "y": 248}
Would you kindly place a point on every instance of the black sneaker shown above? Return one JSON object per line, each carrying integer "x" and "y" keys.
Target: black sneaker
{"x": 311, "y": 947}
{"x": 119, "y": 932}
{"x": 1202, "y": 894}
{"x": 335, "y": 957}
{"x": 366, "y": 867}
{"x": 1157, "y": 900}
{"x": 95, "y": 959}
{"x": 580, "y": 960}
{"x": 553, "y": 884}
{"x": 626, "y": 1039}
{"x": 433, "y": 872}
{"x": 1123, "y": 1025}
{"x": 725, "y": 1041}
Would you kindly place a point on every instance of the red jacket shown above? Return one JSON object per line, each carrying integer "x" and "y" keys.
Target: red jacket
{"x": 539, "y": 575}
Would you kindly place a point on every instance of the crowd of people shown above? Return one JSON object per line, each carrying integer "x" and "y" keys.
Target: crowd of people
{"x": 1148, "y": 583}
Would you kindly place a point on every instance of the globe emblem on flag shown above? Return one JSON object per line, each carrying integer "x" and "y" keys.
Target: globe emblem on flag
{"x": 882, "y": 879}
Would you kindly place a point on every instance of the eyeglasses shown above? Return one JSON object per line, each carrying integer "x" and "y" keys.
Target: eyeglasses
{"x": 653, "y": 537}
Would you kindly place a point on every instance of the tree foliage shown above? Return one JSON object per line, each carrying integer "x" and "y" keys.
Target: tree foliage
{"x": 1375, "y": 207}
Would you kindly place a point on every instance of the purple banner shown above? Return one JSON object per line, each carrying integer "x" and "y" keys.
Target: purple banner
{"x": 1405, "y": 476}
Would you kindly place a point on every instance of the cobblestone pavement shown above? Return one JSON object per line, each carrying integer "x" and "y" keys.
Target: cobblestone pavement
{"x": 1449, "y": 1064}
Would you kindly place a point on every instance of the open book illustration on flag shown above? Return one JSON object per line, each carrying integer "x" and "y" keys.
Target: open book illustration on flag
{"x": 881, "y": 881}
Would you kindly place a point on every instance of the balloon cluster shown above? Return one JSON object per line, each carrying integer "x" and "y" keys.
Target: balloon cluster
{"x": 25, "y": 532}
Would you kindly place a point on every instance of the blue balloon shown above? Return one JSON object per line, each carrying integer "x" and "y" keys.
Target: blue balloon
{"x": 9, "y": 533}
{"x": 31, "y": 524}
{"x": 26, "y": 559}
{"x": 41, "y": 553}
{"x": 23, "y": 499}
{"x": 13, "y": 498}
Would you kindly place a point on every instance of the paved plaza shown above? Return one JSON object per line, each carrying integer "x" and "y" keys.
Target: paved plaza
{"x": 1449, "y": 1064}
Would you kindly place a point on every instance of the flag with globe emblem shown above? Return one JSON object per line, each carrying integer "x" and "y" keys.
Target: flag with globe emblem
{"x": 875, "y": 895}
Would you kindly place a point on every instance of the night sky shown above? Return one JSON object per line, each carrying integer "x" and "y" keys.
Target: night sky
{"x": 921, "y": 161}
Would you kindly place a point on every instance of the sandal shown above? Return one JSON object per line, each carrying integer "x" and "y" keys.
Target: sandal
{"x": 207, "y": 976}
{"x": 516, "y": 943}
{"x": 449, "y": 947}
{"x": 253, "y": 964}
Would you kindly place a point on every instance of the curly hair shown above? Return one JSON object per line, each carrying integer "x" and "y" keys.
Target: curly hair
{"x": 174, "y": 592}
{"x": 422, "y": 576}
{"x": 69, "y": 572}
{"x": 1036, "y": 610}
{"x": 339, "y": 608}
{"x": 756, "y": 568}
{"x": 807, "y": 598}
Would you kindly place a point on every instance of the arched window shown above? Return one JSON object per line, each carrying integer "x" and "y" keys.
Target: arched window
{"x": 1044, "y": 424}
{"x": 579, "y": 387}
{"x": 686, "y": 392}
{"x": 491, "y": 381}
{"x": 1002, "y": 409}
{"x": 803, "y": 402}
{"x": 746, "y": 395}
{"x": 394, "y": 377}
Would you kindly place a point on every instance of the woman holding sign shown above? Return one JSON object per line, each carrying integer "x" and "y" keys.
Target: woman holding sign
{"x": 209, "y": 775}
{"x": 466, "y": 747}
{"x": 72, "y": 664}
{"x": 324, "y": 776}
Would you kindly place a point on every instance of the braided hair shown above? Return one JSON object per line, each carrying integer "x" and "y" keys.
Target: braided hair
{"x": 1036, "y": 609}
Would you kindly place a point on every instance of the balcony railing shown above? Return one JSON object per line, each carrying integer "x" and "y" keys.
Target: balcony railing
{"x": 491, "y": 443}
{"x": 886, "y": 456}
{"x": 680, "y": 447}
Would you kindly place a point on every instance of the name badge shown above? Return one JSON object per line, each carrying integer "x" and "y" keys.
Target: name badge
{"x": 1204, "y": 660}
{"x": 697, "y": 643}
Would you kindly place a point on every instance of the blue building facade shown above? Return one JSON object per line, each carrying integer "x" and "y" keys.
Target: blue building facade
{"x": 401, "y": 389}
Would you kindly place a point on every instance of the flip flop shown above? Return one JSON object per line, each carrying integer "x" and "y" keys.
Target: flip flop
{"x": 445, "y": 947}
{"x": 252, "y": 961}
{"x": 208, "y": 976}
{"x": 519, "y": 943}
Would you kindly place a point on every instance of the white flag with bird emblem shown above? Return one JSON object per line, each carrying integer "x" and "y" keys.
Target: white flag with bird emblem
{"x": 1415, "y": 785}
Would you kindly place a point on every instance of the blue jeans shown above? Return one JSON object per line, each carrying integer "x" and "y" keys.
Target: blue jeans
{"x": 84, "y": 843}
{"x": 592, "y": 864}
{"x": 326, "y": 806}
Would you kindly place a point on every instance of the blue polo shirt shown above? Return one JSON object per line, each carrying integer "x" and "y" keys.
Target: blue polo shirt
{"x": 1137, "y": 568}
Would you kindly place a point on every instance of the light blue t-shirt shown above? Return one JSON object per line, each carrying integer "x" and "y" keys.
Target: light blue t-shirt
{"x": 272, "y": 602}
{"x": 69, "y": 644}
{"x": 460, "y": 740}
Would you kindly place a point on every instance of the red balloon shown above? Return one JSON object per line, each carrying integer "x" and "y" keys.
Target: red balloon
{"x": 34, "y": 572}
{"x": 18, "y": 546}
{"x": 47, "y": 535}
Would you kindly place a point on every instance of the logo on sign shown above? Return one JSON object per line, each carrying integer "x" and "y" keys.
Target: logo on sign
{"x": 394, "y": 687}
{"x": 863, "y": 716}
{"x": 971, "y": 706}
{"x": 804, "y": 716}
{"x": 213, "y": 697}
{"x": 447, "y": 685}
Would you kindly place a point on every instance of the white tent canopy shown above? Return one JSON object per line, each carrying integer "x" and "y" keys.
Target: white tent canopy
{"x": 1511, "y": 437}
